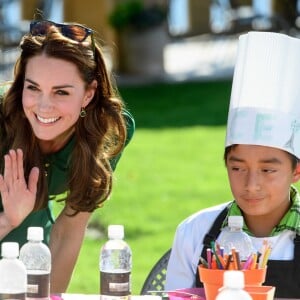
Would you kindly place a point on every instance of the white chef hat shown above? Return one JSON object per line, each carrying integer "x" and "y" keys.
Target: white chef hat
{"x": 265, "y": 98}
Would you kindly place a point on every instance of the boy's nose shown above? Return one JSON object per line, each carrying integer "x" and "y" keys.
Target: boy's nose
{"x": 253, "y": 181}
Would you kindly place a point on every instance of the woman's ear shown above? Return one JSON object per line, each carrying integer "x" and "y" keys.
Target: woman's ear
{"x": 90, "y": 92}
{"x": 297, "y": 173}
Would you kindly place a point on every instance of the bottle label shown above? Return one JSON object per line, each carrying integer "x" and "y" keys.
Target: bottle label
{"x": 19, "y": 296}
{"x": 38, "y": 285}
{"x": 115, "y": 284}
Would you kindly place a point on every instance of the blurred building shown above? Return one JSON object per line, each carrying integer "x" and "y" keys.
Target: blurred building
{"x": 185, "y": 18}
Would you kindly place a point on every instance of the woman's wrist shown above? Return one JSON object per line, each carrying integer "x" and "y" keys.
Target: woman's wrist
{"x": 5, "y": 225}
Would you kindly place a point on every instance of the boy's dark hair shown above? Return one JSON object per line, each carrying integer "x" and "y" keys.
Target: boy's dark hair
{"x": 294, "y": 159}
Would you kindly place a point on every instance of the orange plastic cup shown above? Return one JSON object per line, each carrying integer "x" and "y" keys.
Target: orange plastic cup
{"x": 263, "y": 292}
{"x": 212, "y": 279}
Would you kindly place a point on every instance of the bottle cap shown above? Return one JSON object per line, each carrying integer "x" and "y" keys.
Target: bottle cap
{"x": 234, "y": 279}
{"x": 35, "y": 233}
{"x": 10, "y": 249}
{"x": 235, "y": 221}
{"x": 116, "y": 231}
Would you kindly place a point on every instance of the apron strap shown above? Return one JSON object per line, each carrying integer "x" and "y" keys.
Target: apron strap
{"x": 297, "y": 255}
{"x": 212, "y": 236}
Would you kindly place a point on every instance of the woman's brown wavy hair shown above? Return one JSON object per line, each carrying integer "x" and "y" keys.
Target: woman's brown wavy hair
{"x": 99, "y": 136}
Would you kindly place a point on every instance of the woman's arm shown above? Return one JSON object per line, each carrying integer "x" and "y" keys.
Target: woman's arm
{"x": 18, "y": 197}
{"x": 65, "y": 242}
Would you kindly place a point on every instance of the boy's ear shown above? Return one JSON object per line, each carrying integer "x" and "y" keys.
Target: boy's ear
{"x": 297, "y": 173}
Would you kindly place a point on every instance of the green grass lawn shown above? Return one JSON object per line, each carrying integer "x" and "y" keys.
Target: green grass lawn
{"x": 172, "y": 168}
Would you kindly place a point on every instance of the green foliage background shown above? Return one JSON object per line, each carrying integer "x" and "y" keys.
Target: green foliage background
{"x": 172, "y": 168}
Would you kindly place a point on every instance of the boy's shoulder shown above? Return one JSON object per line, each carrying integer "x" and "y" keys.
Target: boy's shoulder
{"x": 202, "y": 217}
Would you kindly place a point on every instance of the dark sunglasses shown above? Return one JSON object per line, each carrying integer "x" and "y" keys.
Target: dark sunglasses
{"x": 74, "y": 32}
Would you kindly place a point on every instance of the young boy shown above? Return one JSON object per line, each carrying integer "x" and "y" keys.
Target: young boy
{"x": 262, "y": 159}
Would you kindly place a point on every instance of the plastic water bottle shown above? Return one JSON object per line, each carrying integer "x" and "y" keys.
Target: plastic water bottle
{"x": 36, "y": 257}
{"x": 233, "y": 287}
{"x": 233, "y": 236}
{"x": 115, "y": 266}
{"x": 13, "y": 279}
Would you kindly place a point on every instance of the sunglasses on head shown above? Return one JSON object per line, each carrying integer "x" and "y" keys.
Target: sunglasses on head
{"x": 74, "y": 32}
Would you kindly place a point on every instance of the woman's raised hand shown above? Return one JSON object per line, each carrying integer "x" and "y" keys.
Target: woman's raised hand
{"x": 18, "y": 196}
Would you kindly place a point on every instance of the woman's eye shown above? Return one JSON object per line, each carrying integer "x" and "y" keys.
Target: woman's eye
{"x": 62, "y": 92}
{"x": 32, "y": 87}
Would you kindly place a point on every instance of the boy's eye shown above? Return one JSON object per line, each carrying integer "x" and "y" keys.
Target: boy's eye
{"x": 235, "y": 168}
{"x": 268, "y": 170}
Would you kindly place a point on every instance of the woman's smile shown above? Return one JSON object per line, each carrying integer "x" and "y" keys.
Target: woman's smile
{"x": 47, "y": 120}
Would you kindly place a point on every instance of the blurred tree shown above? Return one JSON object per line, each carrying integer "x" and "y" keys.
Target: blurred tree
{"x": 141, "y": 30}
{"x": 237, "y": 3}
{"x": 286, "y": 9}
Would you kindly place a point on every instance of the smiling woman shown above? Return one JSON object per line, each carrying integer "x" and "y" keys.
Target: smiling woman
{"x": 63, "y": 128}
{"x": 52, "y": 104}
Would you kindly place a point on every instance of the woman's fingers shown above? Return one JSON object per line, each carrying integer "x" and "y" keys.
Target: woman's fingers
{"x": 8, "y": 178}
{"x": 14, "y": 164}
{"x": 20, "y": 168}
{"x": 13, "y": 168}
{"x": 3, "y": 186}
{"x": 33, "y": 179}
{"x": 18, "y": 196}
{"x": 14, "y": 178}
